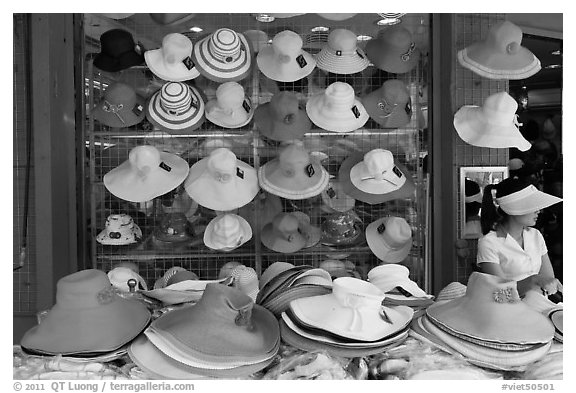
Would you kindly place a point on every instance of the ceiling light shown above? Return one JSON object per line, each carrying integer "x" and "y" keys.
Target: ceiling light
{"x": 557, "y": 52}
{"x": 196, "y": 29}
{"x": 363, "y": 37}
{"x": 264, "y": 18}
{"x": 553, "y": 66}
{"x": 319, "y": 29}
{"x": 389, "y": 19}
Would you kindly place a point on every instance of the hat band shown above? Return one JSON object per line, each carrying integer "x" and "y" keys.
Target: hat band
{"x": 176, "y": 108}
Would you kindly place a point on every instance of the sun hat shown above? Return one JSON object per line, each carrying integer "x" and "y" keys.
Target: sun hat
{"x": 338, "y": 268}
{"x": 171, "y": 19}
{"x": 394, "y": 50}
{"x": 120, "y": 278}
{"x": 283, "y": 234}
{"x": 389, "y": 238}
{"x": 221, "y": 181}
{"x": 227, "y": 232}
{"x": 223, "y": 56}
{"x": 282, "y": 119}
{"x": 226, "y": 269}
{"x": 176, "y": 107}
{"x": 294, "y": 174}
{"x": 147, "y": 174}
{"x": 246, "y": 280}
{"x": 257, "y": 39}
{"x": 337, "y": 109}
{"x": 388, "y": 277}
{"x": 451, "y": 291}
{"x": 310, "y": 232}
{"x": 230, "y": 108}
{"x": 390, "y": 105}
{"x": 335, "y": 199}
{"x": 174, "y": 228}
{"x": 494, "y": 124}
{"x": 121, "y": 106}
{"x": 272, "y": 271}
{"x": 341, "y": 54}
{"x": 342, "y": 229}
{"x": 118, "y": 51}
{"x": 284, "y": 60}
{"x": 265, "y": 206}
{"x": 173, "y": 61}
{"x": 517, "y": 197}
{"x": 120, "y": 230}
{"x": 88, "y": 317}
{"x": 500, "y": 55}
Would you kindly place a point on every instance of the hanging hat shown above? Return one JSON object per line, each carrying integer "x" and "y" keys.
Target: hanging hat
{"x": 223, "y": 56}
{"x": 494, "y": 124}
{"x": 294, "y": 174}
{"x": 283, "y": 234}
{"x": 176, "y": 107}
{"x": 389, "y": 238}
{"x": 173, "y": 228}
{"x": 246, "y": 280}
{"x": 126, "y": 279}
{"x": 337, "y": 17}
{"x": 265, "y": 206}
{"x": 284, "y": 60}
{"x": 231, "y": 108}
{"x": 118, "y": 51}
{"x": 500, "y": 55}
{"x": 310, "y": 232}
{"x": 342, "y": 228}
{"x": 227, "y": 232}
{"x": 341, "y": 55}
{"x": 147, "y": 174}
{"x": 221, "y": 181}
{"x": 120, "y": 230}
{"x": 337, "y": 109}
{"x": 173, "y": 61}
{"x": 120, "y": 107}
{"x": 393, "y": 50}
{"x": 88, "y": 317}
{"x": 390, "y": 105}
{"x": 335, "y": 199}
{"x": 389, "y": 277}
{"x": 171, "y": 19}
{"x": 257, "y": 39}
{"x": 282, "y": 119}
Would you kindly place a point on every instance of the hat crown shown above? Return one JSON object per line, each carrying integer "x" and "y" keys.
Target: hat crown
{"x": 484, "y": 287}
{"x": 116, "y": 42}
{"x": 505, "y": 36}
{"x": 225, "y": 45}
{"x": 144, "y": 158}
{"x": 397, "y": 232}
{"x": 119, "y": 222}
{"x": 84, "y": 289}
{"x": 288, "y": 43}
{"x": 176, "y": 98}
{"x": 222, "y": 164}
{"x": 227, "y": 225}
{"x": 283, "y": 104}
{"x": 257, "y": 38}
{"x": 230, "y": 95}
{"x": 120, "y": 94}
{"x": 395, "y": 92}
{"x": 339, "y": 95}
{"x": 378, "y": 161}
{"x": 388, "y": 270}
{"x": 286, "y": 223}
{"x": 175, "y": 47}
{"x": 228, "y": 304}
{"x": 500, "y": 108}
{"x": 293, "y": 159}
{"x": 343, "y": 40}
{"x": 396, "y": 37}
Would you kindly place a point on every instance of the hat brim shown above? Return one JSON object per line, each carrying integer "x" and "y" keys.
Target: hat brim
{"x": 327, "y": 60}
{"x": 278, "y": 130}
{"x": 210, "y": 242}
{"x": 272, "y": 181}
{"x": 389, "y": 59}
{"x": 189, "y": 120}
{"x": 283, "y": 72}
{"x": 104, "y": 237}
{"x": 381, "y": 249}
{"x": 175, "y": 73}
{"x": 484, "y": 61}
{"x": 279, "y": 280}
{"x": 129, "y": 117}
{"x": 335, "y": 121}
{"x": 397, "y": 119}
{"x": 310, "y": 232}
{"x": 238, "y": 118}
{"x": 340, "y": 201}
{"x": 391, "y": 182}
{"x": 275, "y": 243}
{"x": 279, "y": 303}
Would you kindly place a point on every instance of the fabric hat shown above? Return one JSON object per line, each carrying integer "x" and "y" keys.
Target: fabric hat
{"x": 176, "y": 107}
{"x": 389, "y": 238}
{"x": 310, "y": 232}
{"x": 171, "y": 19}
{"x": 494, "y": 124}
{"x": 221, "y": 181}
{"x": 231, "y": 108}
{"x": 226, "y": 269}
{"x": 389, "y": 105}
{"x": 527, "y": 200}
{"x": 223, "y": 56}
{"x": 282, "y": 119}
{"x": 120, "y": 230}
{"x": 393, "y": 50}
{"x": 88, "y": 317}
{"x": 294, "y": 174}
{"x": 118, "y": 51}
{"x": 335, "y": 199}
{"x": 389, "y": 277}
{"x": 283, "y": 234}
{"x": 147, "y": 174}
{"x": 342, "y": 228}
{"x": 337, "y": 109}
{"x": 257, "y": 39}
{"x": 284, "y": 60}
{"x": 174, "y": 228}
{"x": 246, "y": 280}
{"x": 341, "y": 55}
{"x": 500, "y": 55}
{"x": 121, "y": 107}
{"x": 173, "y": 61}
{"x": 227, "y": 232}
{"x": 120, "y": 278}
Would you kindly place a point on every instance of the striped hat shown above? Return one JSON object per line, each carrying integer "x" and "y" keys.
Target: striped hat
{"x": 342, "y": 55}
{"x": 172, "y": 62}
{"x": 176, "y": 107}
{"x": 223, "y": 56}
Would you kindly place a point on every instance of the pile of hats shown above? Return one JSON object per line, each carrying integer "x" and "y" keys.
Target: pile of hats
{"x": 554, "y": 311}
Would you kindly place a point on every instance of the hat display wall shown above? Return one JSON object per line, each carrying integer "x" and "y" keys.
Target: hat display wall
{"x": 337, "y": 109}
{"x": 389, "y": 238}
{"x": 393, "y": 50}
{"x": 282, "y": 119}
{"x": 341, "y": 54}
{"x": 88, "y": 317}
{"x": 121, "y": 107}
{"x": 120, "y": 230}
{"x": 231, "y": 108}
{"x": 494, "y": 124}
{"x": 284, "y": 60}
{"x": 221, "y": 181}
{"x": 389, "y": 105}
{"x": 118, "y": 51}
{"x": 283, "y": 234}
{"x": 500, "y": 55}
{"x": 223, "y": 56}
{"x": 173, "y": 61}
{"x": 147, "y": 174}
{"x": 227, "y": 232}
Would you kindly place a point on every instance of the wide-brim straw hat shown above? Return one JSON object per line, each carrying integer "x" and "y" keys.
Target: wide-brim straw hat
{"x": 389, "y": 277}
{"x": 189, "y": 117}
{"x": 120, "y": 107}
{"x": 172, "y": 62}
{"x": 390, "y": 239}
{"x": 186, "y": 291}
{"x": 229, "y": 239}
{"x": 230, "y": 108}
{"x": 279, "y": 280}
{"x": 335, "y": 198}
{"x": 341, "y": 54}
{"x": 272, "y": 271}
{"x": 390, "y": 105}
{"x": 527, "y": 200}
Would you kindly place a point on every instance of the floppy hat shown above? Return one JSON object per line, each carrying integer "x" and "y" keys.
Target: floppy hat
{"x": 282, "y": 119}
{"x": 341, "y": 54}
{"x": 337, "y": 109}
{"x": 494, "y": 124}
{"x": 147, "y": 174}
{"x": 393, "y": 50}
{"x": 246, "y": 280}
{"x": 121, "y": 106}
{"x": 283, "y": 234}
{"x": 284, "y": 60}
{"x": 335, "y": 199}
{"x": 389, "y": 105}
{"x": 389, "y": 238}
{"x": 500, "y": 55}
{"x": 171, "y": 19}
{"x": 231, "y": 108}
{"x": 88, "y": 317}
{"x": 173, "y": 61}
{"x": 527, "y": 200}
{"x": 120, "y": 230}
{"x": 176, "y": 107}
{"x": 388, "y": 277}
{"x": 342, "y": 229}
{"x": 118, "y": 51}
{"x": 310, "y": 232}
{"x": 221, "y": 181}
{"x": 223, "y": 56}
{"x": 294, "y": 174}
{"x": 174, "y": 228}
{"x": 227, "y": 232}
{"x": 120, "y": 278}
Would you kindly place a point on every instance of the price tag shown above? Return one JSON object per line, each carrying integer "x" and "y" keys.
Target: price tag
{"x": 310, "y": 170}
{"x": 188, "y": 63}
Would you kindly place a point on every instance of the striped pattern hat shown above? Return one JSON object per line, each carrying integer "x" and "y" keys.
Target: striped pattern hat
{"x": 176, "y": 107}
{"x": 342, "y": 55}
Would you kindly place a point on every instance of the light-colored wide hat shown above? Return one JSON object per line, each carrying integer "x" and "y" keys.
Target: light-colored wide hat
{"x": 122, "y": 277}
{"x": 283, "y": 234}
{"x": 282, "y": 119}
{"x": 226, "y": 269}
{"x": 310, "y": 232}
{"x": 173, "y": 61}
{"x": 335, "y": 199}
{"x": 527, "y": 200}
{"x": 389, "y": 238}
{"x": 388, "y": 277}
{"x": 227, "y": 232}
{"x": 147, "y": 174}
{"x": 231, "y": 108}
{"x": 341, "y": 54}
{"x": 389, "y": 105}
{"x": 246, "y": 280}
{"x": 500, "y": 55}
{"x": 121, "y": 106}
{"x": 394, "y": 50}
{"x": 176, "y": 107}
{"x": 494, "y": 124}
{"x": 284, "y": 60}
{"x": 120, "y": 230}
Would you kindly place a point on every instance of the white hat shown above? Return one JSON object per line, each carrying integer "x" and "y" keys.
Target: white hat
{"x": 120, "y": 276}
{"x": 173, "y": 61}
{"x": 231, "y": 108}
{"x": 527, "y": 200}
{"x": 377, "y": 173}
{"x": 176, "y": 107}
{"x": 227, "y": 232}
{"x": 389, "y": 238}
{"x": 341, "y": 55}
{"x": 335, "y": 198}
{"x": 120, "y": 230}
{"x": 389, "y": 277}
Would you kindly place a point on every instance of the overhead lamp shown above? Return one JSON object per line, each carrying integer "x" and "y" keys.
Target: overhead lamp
{"x": 553, "y": 66}
{"x": 363, "y": 37}
{"x": 196, "y": 29}
{"x": 265, "y": 18}
{"x": 557, "y": 52}
{"x": 319, "y": 29}
{"x": 389, "y": 19}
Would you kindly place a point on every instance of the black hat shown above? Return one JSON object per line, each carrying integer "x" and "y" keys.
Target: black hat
{"x": 118, "y": 51}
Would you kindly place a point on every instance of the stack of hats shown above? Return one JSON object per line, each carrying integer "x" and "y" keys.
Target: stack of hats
{"x": 290, "y": 232}
{"x": 120, "y": 230}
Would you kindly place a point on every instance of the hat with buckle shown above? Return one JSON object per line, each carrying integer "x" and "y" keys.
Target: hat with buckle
{"x": 120, "y": 230}
{"x": 342, "y": 228}
{"x": 337, "y": 109}
{"x": 121, "y": 106}
{"x": 282, "y": 119}
{"x": 283, "y": 234}
{"x": 500, "y": 55}
{"x": 173, "y": 61}
{"x": 389, "y": 238}
{"x": 118, "y": 51}
{"x": 390, "y": 105}
{"x": 171, "y": 19}
{"x": 284, "y": 60}
{"x": 147, "y": 174}
{"x": 335, "y": 199}
{"x": 223, "y": 56}
{"x": 231, "y": 108}
{"x": 393, "y": 50}
{"x": 221, "y": 181}
{"x": 227, "y": 232}
{"x": 341, "y": 55}
{"x": 494, "y": 124}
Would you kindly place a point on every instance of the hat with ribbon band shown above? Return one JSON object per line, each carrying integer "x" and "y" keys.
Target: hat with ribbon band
{"x": 231, "y": 108}
{"x": 341, "y": 54}
{"x": 389, "y": 238}
{"x": 173, "y": 61}
{"x": 394, "y": 50}
{"x": 121, "y": 107}
{"x": 282, "y": 119}
{"x": 283, "y": 234}
{"x": 118, "y": 51}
